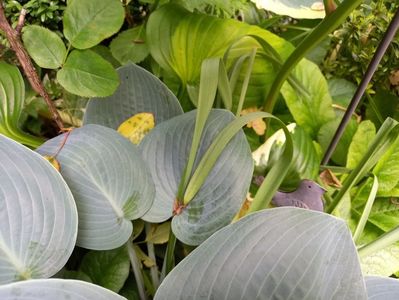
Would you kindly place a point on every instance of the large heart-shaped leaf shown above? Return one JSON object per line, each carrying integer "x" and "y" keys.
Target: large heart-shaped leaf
{"x": 12, "y": 97}
{"x": 298, "y": 9}
{"x": 139, "y": 91}
{"x": 174, "y": 33}
{"x": 88, "y": 22}
{"x": 109, "y": 181}
{"x": 166, "y": 149}
{"x": 382, "y": 288}
{"x": 87, "y": 74}
{"x": 50, "y": 289}
{"x": 281, "y": 253}
{"x": 38, "y": 217}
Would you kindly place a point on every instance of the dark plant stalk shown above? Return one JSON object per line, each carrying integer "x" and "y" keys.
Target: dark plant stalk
{"x": 26, "y": 63}
{"x": 169, "y": 261}
{"x": 386, "y": 41}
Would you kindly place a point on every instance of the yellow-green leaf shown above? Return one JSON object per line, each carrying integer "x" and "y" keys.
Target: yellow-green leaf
{"x": 159, "y": 233}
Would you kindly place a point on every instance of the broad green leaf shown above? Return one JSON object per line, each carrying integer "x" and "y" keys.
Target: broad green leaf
{"x": 130, "y": 45}
{"x": 88, "y": 22}
{"x": 382, "y": 288}
{"x": 387, "y": 169}
{"x": 87, "y": 74}
{"x": 166, "y": 149}
{"x": 139, "y": 91}
{"x": 50, "y": 289}
{"x": 305, "y": 160}
{"x": 12, "y": 97}
{"x": 341, "y": 91}
{"x": 308, "y": 255}
{"x": 38, "y": 216}
{"x": 110, "y": 183}
{"x": 105, "y": 53}
{"x": 298, "y": 9}
{"x": 311, "y": 110}
{"x": 383, "y": 263}
{"x": 108, "y": 269}
{"x": 361, "y": 141}
{"x": 326, "y": 134}
{"x": 77, "y": 275}
{"x": 44, "y": 46}
{"x": 174, "y": 33}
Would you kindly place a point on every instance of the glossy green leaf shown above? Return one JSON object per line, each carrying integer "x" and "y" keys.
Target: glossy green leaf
{"x": 130, "y": 45}
{"x": 174, "y": 33}
{"x": 305, "y": 160}
{"x": 44, "y": 46}
{"x": 88, "y": 22}
{"x": 109, "y": 181}
{"x": 382, "y": 288}
{"x": 166, "y": 148}
{"x": 87, "y": 74}
{"x": 311, "y": 110}
{"x": 139, "y": 91}
{"x": 298, "y": 9}
{"x": 361, "y": 141}
{"x": 12, "y": 97}
{"x": 50, "y": 289}
{"x": 387, "y": 169}
{"x": 326, "y": 134}
{"x": 38, "y": 216}
{"x": 341, "y": 90}
{"x": 108, "y": 269}
{"x": 310, "y": 255}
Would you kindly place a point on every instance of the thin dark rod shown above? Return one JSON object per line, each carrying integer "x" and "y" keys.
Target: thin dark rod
{"x": 382, "y": 48}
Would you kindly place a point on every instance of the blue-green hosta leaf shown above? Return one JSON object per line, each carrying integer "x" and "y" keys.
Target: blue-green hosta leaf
{"x": 298, "y": 9}
{"x": 12, "y": 97}
{"x": 38, "y": 217}
{"x": 382, "y": 288}
{"x": 282, "y": 253}
{"x": 88, "y": 22}
{"x": 50, "y": 289}
{"x": 109, "y": 181}
{"x": 108, "y": 269}
{"x": 166, "y": 149}
{"x": 139, "y": 91}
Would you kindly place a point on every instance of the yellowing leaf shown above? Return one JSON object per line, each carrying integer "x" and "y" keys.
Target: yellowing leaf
{"x": 144, "y": 258}
{"x": 258, "y": 125}
{"x": 159, "y": 234}
{"x": 53, "y": 162}
{"x": 136, "y": 127}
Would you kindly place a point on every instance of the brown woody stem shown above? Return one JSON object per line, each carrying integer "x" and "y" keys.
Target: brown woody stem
{"x": 27, "y": 65}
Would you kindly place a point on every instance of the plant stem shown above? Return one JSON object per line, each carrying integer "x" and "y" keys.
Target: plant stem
{"x": 388, "y": 37}
{"x": 329, "y": 23}
{"x": 151, "y": 254}
{"x": 169, "y": 261}
{"x": 27, "y": 65}
{"x": 246, "y": 81}
{"x": 134, "y": 261}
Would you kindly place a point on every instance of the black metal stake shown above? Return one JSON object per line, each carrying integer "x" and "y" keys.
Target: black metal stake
{"x": 382, "y": 48}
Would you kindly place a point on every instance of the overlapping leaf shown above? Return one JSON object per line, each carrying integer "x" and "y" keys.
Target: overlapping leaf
{"x": 382, "y": 288}
{"x": 109, "y": 181}
{"x": 310, "y": 255}
{"x": 139, "y": 91}
{"x": 88, "y": 22}
{"x": 298, "y": 9}
{"x": 38, "y": 217}
{"x": 50, "y": 289}
{"x": 166, "y": 149}
{"x": 12, "y": 97}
